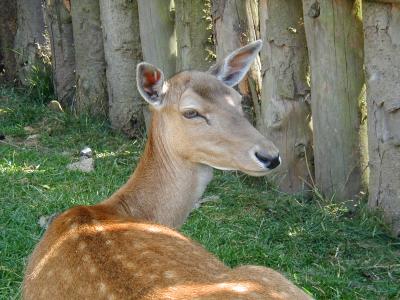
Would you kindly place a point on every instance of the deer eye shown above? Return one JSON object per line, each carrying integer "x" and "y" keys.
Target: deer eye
{"x": 190, "y": 114}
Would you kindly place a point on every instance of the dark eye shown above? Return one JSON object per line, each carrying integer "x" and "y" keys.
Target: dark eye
{"x": 190, "y": 114}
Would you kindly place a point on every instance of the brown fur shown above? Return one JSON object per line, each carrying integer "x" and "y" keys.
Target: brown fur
{"x": 114, "y": 250}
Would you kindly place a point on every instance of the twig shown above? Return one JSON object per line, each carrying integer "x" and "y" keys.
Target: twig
{"x": 11, "y": 144}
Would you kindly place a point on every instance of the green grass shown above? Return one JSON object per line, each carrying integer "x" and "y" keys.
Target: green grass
{"x": 328, "y": 251}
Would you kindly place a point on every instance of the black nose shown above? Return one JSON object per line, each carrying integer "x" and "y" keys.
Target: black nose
{"x": 268, "y": 161}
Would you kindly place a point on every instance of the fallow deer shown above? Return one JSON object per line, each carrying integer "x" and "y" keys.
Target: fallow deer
{"x": 118, "y": 249}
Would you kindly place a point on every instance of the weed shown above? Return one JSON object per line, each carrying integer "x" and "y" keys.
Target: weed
{"x": 39, "y": 84}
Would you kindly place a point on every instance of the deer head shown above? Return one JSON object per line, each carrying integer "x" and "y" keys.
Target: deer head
{"x": 199, "y": 117}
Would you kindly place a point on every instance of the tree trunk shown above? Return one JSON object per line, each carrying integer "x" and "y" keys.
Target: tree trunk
{"x": 382, "y": 66}
{"x": 122, "y": 51}
{"x": 8, "y": 29}
{"x": 385, "y": 1}
{"x": 158, "y": 38}
{"x": 335, "y": 39}
{"x": 236, "y": 24}
{"x": 192, "y": 35}
{"x": 285, "y": 115}
{"x": 59, "y": 25}
{"x": 91, "y": 83}
{"x": 29, "y": 44}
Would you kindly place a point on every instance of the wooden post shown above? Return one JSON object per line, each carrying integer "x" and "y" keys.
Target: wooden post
{"x": 158, "y": 37}
{"x": 235, "y": 25}
{"x": 335, "y": 43}
{"x": 59, "y": 26}
{"x": 382, "y": 66}
{"x": 8, "y": 29}
{"x": 285, "y": 115}
{"x": 122, "y": 49}
{"x": 192, "y": 35}
{"x": 91, "y": 84}
{"x": 29, "y": 41}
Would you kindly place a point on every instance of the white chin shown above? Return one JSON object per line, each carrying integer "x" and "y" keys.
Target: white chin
{"x": 256, "y": 173}
{"x": 220, "y": 168}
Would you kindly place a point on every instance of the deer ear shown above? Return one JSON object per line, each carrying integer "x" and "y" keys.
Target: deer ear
{"x": 150, "y": 83}
{"x": 235, "y": 66}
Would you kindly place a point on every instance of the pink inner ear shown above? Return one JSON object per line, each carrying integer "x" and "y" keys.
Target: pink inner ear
{"x": 151, "y": 77}
{"x": 240, "y": 59}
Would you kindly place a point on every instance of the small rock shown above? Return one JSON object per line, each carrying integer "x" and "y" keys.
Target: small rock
{"x": 45, "y": 221}
{"x": 85, "y": 165}
{"x": 54, "y": 105}
{"x": 86, "y": 152}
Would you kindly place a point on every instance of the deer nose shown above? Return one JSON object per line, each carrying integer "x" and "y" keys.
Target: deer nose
{"x": 270, "y": 162}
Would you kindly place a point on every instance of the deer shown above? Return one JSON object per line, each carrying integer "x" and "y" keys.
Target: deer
{"x": 126, "y": 247}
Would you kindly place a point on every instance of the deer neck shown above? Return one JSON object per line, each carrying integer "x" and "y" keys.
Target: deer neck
{"x": 164, "y": 187}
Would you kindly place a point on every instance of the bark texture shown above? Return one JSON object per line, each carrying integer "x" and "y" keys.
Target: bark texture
{"x": 59, "y": 26}
{"x": 335, "y": 42}
{"x": 120, "y": 21}
{"x": 91, "y": 84}
{"x": 192, "y": 35}
{"x": 285, "y": 115}
{"x": 158, "y": 37}
{"x": 384, "y": 1}
{"x": 8, "y": 29}
{"x": 236, "y": 24}
{"x": 157, "y": 34}
{"x": 382, "y": 66}
{"x": 30, "y": 42}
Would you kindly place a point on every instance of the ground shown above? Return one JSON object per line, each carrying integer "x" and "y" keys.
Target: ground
{"x": 329, "y": 251}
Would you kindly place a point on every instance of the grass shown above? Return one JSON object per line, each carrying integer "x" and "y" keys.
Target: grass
{"x": 327, "y": 250}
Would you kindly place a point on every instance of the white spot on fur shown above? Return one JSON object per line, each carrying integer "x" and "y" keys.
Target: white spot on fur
{"x": 240, "y": 288}
{"x": 67, "y": 276}
{"x": 144, "y": 253}
{"x": 102, "y": 287}
{"x": 153, "y": 277}
{"x": 109, "y": 242}
{"x": 153, "y": 229}
{"x": 169, "y": 274}
{"x": 99, "y": 228}
{"x": 81, "y": 245}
